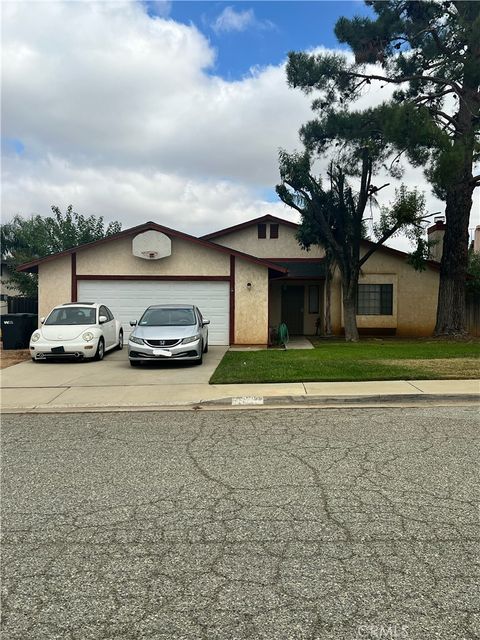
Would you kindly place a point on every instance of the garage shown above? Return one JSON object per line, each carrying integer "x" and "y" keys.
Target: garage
{"x": 152, "y": 264}
{"x": 128, "y": 299}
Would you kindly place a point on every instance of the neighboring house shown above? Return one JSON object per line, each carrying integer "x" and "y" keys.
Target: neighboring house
{"x": 5, "y": 290}
{"x": 246, "y": 279}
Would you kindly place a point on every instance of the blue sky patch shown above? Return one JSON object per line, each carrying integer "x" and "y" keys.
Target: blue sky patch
{"x": 12, "y": 146}
{"x": 258, "y": 34}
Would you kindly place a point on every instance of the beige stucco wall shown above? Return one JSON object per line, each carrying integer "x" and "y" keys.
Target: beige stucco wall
{"x": 414, "y": 296}
{"x": 116, "y": 258}
{"x": 284, "y": 247}
{"x": 54, "y": 284}
{"x": 380, "y": 322}
{"x": 251, "y": 305}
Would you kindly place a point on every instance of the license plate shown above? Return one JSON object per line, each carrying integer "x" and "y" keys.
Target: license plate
{"x": 162, "y": 352}
{"x": 58, "y": 350}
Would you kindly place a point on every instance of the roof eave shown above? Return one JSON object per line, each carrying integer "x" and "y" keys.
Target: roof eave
{"x": 32, "y": 267}
{"x": 243, "y": 225}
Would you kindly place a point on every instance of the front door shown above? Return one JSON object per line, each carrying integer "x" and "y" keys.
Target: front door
{"x": 292, "y": 308}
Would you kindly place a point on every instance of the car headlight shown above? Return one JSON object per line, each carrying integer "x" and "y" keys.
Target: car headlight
{"x": 135, "y": 339}
{"x": 87, "y": 336}
{"x": 191, "y": 339}
{"x": 35, "y": 337}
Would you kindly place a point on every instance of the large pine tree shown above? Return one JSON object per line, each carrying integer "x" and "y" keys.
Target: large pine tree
{"x": 430, "y": 51}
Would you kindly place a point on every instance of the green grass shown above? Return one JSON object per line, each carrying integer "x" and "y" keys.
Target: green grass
{"x": 389, "y": 359}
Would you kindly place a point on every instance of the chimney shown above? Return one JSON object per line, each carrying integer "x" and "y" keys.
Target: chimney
{"x": 435, "y": 234}
{"x": 476, "y": 239}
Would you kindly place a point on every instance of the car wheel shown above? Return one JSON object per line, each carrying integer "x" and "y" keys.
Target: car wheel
{"x": 200, "y": 360}
{"x": 134, "y": 363}
{"x": 100, "y": 350}
{"x": 206, "y": 348}
{"x": 120, "y": 341}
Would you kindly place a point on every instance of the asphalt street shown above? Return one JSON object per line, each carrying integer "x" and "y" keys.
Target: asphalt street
{"x": 342, "y": 524}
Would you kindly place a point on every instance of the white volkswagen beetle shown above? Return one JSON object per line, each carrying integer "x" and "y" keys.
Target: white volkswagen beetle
{"x": 76, "y": 330}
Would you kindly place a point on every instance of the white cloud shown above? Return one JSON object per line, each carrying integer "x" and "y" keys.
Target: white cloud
{"x": 120, "y": 115}
{"x": 133, "y": 196}
{"x": 106, "y": 90}
{"x": 231, "y": 20}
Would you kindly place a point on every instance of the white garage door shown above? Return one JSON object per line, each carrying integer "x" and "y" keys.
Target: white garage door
{"x": 128, "y": 299}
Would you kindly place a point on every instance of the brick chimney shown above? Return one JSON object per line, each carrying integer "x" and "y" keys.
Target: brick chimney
{"x": 435, "y": 234}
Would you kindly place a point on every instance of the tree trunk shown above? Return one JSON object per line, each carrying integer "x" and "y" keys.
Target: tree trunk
{"x": 350, "y": 311}
{"x": 328, "y": 297}
{"x": 451, "y": 311}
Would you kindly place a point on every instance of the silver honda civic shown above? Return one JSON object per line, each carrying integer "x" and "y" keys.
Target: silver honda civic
{"x": 168, "y": 332}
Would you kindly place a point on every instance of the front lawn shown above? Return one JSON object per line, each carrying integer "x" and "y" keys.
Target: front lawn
{"x": 370, "y": 359}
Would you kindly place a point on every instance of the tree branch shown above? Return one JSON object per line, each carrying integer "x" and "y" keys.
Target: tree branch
{"x": 432, "y": 96}
{"x": 379, "y": 243}
{"x": 444, "y": 115}
{"x": 377, "y": 189}
{"x": 434, "y": 79}
{"x": 292, "y": 202}
{"x": 440, "y": 46}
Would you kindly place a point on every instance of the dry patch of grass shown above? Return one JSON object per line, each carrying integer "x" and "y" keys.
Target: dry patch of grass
{"x": 14, "y": 356}
{"x": 455, "y": 368}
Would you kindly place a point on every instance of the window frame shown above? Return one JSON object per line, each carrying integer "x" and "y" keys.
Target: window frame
{"x": 101, "y": 313}
{"x": 262, "y": 230}
{"x": 274, "y": 231}
{"x": 376, "y": 299}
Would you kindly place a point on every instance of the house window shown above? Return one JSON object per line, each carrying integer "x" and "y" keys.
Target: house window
{"x": 375, "y": 300}
{"x": 313, "y": 299}
{"x": 262, "y": 230}
{"x": 274, "y": 231}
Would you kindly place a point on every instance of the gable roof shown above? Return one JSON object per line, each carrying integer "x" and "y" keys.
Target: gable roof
{"x": 269, "y": 218}
{"x": 249, "y": 223}
{"x": 32, "y": 266}
{"x": 204, "y": 241}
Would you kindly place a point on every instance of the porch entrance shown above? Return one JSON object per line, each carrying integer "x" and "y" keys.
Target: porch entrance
{"x": 293, "y": 297}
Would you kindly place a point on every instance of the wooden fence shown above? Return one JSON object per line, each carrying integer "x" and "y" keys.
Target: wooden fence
{"x": 18, "y": 304}
{"x": 473, "y": 314}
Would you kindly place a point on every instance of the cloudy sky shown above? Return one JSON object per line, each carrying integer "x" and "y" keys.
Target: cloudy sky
{"x": 164, "y": 111}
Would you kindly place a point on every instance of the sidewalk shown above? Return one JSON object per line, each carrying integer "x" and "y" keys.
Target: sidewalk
{"x": 67, "y": 398}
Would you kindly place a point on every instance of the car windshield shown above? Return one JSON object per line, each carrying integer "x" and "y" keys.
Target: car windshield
{"x": 167, "y": 318}
{"x": 72, "y": 315}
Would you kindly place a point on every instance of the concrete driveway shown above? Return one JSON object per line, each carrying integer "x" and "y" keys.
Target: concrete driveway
{"x": 111, "y": 382}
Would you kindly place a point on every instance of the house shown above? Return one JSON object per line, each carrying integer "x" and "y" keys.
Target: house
{"x": 7, "y": 290}
{"x": 246, "y": 279}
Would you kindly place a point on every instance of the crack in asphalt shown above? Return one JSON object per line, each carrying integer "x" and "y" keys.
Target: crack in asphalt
{"x": 284, "y": 525}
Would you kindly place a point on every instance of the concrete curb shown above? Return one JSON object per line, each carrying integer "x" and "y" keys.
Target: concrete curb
{"x": 424, "y": 398}
{"x": 272, "y": 402}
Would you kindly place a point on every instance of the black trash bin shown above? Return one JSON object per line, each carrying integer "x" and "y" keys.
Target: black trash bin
{"x": 17, "y": 329}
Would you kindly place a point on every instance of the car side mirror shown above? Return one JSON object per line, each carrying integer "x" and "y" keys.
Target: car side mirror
{"x": 102, "y": 319}
{"x": 42, "y": 319}
{"x": 206, "y": 322}
{"x": 133, "y": 323}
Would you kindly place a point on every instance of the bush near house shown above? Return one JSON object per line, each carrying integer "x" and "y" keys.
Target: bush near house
{"x": 333, "y": 361}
